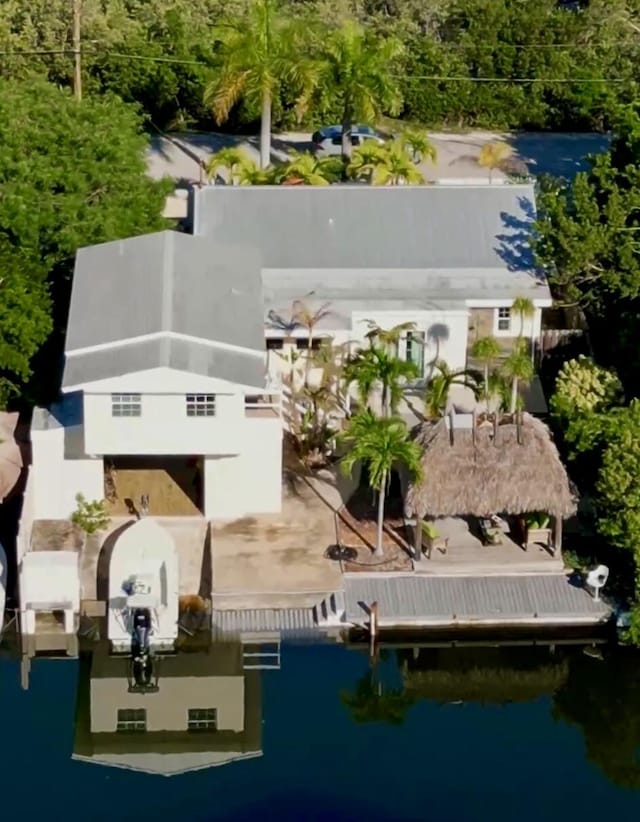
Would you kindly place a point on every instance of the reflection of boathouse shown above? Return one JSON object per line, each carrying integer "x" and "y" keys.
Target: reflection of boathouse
{"x": 206, "y": 711}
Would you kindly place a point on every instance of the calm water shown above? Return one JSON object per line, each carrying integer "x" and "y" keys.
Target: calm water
{"x": 483, "y": 734}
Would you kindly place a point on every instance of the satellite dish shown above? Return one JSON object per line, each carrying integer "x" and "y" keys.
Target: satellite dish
{"x": 597, "y": 579}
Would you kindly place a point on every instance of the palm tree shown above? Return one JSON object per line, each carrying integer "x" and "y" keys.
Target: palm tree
{"x": 439, "y": 387}
{"x": 258, "y": 52}
{"x": 395, "y": 167}
{"x": 388, "y": 338}
{"x": 418, "y": 146}
{"x": 525, "y": 308}
{"x": 305, "y": 316}
{"x": 519, "y": 369}
{"x": 230, "y": 159}
{"x": 381, "y": 443}
{"x": 374, "y": 366}
{"x": 364, "y": 159}
{"x": 493, "y": 155}
{"x": 355, "y": 65}
{"x": 371, "y": 702}
{"x": 486, "y": 349}
{"x": 310, "y": 170}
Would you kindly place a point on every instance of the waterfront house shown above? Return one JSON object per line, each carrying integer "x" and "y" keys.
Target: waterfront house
{"x": 503, "y": 468}
{"x": 164, "y": 391}
{"x": 450, "y": 259}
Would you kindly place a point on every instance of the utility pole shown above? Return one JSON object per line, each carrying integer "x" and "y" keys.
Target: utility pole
{"x": 77, "y": 74}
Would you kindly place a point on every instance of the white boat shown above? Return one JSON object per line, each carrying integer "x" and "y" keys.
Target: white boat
{"x": 143, "y": 583}
{"x": 3, "y": 585}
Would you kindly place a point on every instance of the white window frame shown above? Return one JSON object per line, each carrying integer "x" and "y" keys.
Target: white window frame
{"x": 200, "y": 405}
{"x": 126, "y": 405}
{"x": 131, "y": 724}
{"x": 200, "y": 719}
{"x": 497, "y": 319}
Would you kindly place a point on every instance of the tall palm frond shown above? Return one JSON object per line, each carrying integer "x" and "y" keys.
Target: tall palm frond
{"x": 519, "y": 369}
{"x": 440, "y": 384}
{"x": 418, "y": 146}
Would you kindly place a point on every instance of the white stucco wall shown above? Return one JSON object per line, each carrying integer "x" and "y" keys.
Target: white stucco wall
{"x": 168, "y": 709}
{"x": 251, "y": 481}
{"x": 164, "y": 427}
{"x": 57, "y": 474}
{"x": 445, "y": 338}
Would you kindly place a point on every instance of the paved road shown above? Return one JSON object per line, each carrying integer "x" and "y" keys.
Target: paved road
{"x": 560, "y": 154}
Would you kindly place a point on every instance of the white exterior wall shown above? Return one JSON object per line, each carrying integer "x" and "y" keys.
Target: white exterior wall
{"x": 445, "y": 337}
{"x": 168, "y": 709}
{"x": 56, "y": 477}
{"x": 251, "y": 481}
{"x": 164, "y": 427}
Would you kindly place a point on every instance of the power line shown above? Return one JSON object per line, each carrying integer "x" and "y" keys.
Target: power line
{"x": 463, "y": 79}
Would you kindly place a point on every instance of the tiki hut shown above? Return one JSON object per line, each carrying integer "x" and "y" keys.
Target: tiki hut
{"x": 475, "y": 468}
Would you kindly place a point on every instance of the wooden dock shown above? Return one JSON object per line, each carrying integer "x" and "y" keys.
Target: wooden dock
{"x": 411, "y": 601}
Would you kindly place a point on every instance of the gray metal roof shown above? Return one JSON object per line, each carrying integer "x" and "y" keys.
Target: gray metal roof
{"x": 391, "y": 290}
{"x": 159, "y": 283}
{"x": 440, "y": 600}
{"x": 391, "y": 227}
{"x": 290, "y": 622}
{"x": 183, "y": 355}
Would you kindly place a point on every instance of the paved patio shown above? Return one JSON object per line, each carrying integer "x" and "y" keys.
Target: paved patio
{"x": 467, "y": 555}
{"x": 276, "y": 560}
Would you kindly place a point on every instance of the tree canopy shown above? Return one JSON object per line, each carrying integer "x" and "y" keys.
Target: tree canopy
{"x": 555, "y": 68}
{"x": 71, "y": 175}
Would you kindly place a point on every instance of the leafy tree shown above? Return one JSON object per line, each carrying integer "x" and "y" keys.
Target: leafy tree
{"x": 71, "y": 175}
{"x": 602, "y": 700}
{"x": 582, "y": 387}
{"x": 519, "y": 369}
{"x": 354, "y": 64}
{"x": 90, "y": 515}
{"x": 381, "y": 444}
{"x": 375, "y": 366}
{"x": 493, "y": 156}
{"x": 25, "y": 318}
{"x": 486, "y": 350}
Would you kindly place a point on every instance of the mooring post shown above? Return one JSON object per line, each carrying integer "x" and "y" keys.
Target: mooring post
{"x": 373, "y": 628}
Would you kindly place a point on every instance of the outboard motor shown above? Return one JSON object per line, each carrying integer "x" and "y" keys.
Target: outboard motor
{"x": 140, "y": 634}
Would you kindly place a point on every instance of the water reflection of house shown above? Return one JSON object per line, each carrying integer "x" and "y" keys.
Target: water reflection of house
{"x": 207, "y": 711}
{"x": 483, "y": 674}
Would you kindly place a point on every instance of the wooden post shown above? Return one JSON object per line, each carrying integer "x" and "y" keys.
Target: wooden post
{"x": 77, "y": 73}
{"x": 373, "y": 629}
{"x": 557, "y": 537}
{"x": 417, "y": 539}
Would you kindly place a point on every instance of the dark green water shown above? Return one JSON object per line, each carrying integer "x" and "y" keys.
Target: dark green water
{"x": 482, "y": 734}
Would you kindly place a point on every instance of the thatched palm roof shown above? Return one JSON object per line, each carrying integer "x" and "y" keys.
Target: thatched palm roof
{"x": 483, "y": 469}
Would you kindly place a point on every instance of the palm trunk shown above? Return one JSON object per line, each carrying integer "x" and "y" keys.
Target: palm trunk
{"x": 379, "y": 550}
{"x": 486, "y": 385}
{"x": 265, "y": 130}
{"x": 347, "y": 127}
{"x": 384, "y": 400}
{"x": 307, "y": 362}
{"x": 514, "y": 395}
